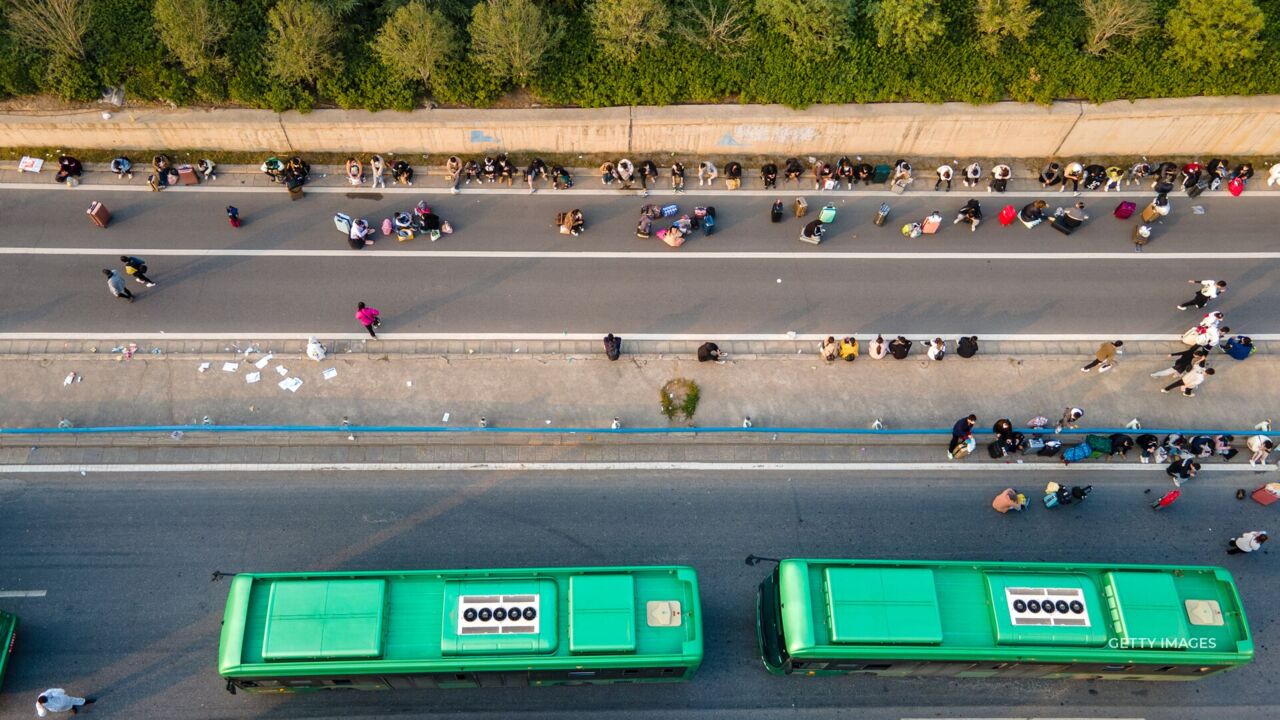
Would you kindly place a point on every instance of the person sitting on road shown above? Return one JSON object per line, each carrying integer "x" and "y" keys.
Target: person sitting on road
{"x": 901, "y": 173}
{"x": 122, "y": 166}
{"x": 1115, "y": 176}
{"x": 813, "y": 230}
{"x": 709, "y": 352}
{"x": 864, "y": 172}
{"x": 829, "y": 350}
{"x": 707, "y": 173}
{"x": 937, "y": 348}
{"x": 648, "y": 173}
{"x": 846, "y": 172}
{"x": 69, "y": 169}
{"x": 972, "y": 174}
{"x": 1138, "y": 172}
{"x": 561, "y": 179}
{"x": 355, "y": 171}
{"x": 1072, "y": 218}
{"x": 626, "y": 173}
{"x": 1000, "y": 175}
{"x": 1243, "y": 171}
{"x": 769, "y": 175}
{"x": 572, "y": 222}
{"x": 822, "y": 174}
{"x": 794, "y": 169}
{"x": 361, "y": 234}
{"x": 506, "y": 170}
{"x": 489, "y": 169}
{"x": 402, "y": 172}
{"x": 733, "y": 175}
{"x": 1191, "y": 174}
{"x": 1261, "y": 446}
{"x": 297, "y": 169}
{"x": 971, "y": 213}
{"x": 1051, "y": 175}
{"x": 849, "y": 349}
{"x": 273, "y": 168}
{"x": 967, "y": 346}
{"x": 677, "y": 176}
{"x": 607, "y": 173}
{"x": 1032, "y": 213}
{"x": 644, "y": 228}
{"x": 879, "y": 348}
{"x": 899, "y": 347}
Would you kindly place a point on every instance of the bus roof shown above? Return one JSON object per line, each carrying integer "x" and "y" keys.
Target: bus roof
{"x": 967, "y": 610}
{"x": 420, "y": 621}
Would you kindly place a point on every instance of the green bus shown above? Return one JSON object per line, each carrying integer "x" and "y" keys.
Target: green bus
{"x": 392, "y": 630}
{"x": 8, "y": 635}
{"x": 1000, "y": 619}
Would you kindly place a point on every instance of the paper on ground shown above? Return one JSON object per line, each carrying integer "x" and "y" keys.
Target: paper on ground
{"x": 253, "y": 377}
{"x": 330, "y": 374}
{"x": 291, "y": 384}
{"x": 204, "y": 366}
{"x": 262, "y": 363}
{"x": 230, "y": 367}
{"x": 282, "y": 370}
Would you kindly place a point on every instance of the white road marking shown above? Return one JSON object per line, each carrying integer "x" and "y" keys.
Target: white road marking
{"x": 565, "y": 336}
{"x": 544, "y": 191}
{"x": 23, "y": 593}
{"x": 678, "y": 255}
{"x": 593, "y": 466}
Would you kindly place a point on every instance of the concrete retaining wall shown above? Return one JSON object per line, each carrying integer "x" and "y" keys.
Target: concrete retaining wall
{"x": 1221, "y": 125}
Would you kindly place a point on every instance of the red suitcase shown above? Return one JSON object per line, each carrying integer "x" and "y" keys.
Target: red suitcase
{"x": 1125, "y": 210}
{"x": 187, "y": 175}
{"x": 1007, "y": 215}
{"x": 99, "y": 214}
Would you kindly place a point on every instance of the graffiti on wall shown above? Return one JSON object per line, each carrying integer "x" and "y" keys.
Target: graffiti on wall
{"x": 747, "y": 135}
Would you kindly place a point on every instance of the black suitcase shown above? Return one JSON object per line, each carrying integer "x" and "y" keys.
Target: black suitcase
{"x": 776, "y": 214}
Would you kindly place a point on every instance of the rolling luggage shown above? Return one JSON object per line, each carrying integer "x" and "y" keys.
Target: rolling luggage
{"x": 1125, "y": 210}
{"x": 882, "y": 174}
{"x": 98, "y": 214}
{"x": 187, "y": 175}
{"x": 1007, "y": 215}
{"x": 827, "y": 214}
{"x": 882, "y": 214}
{"x": 669, "y": 210}
{"x": 930, "y": 225}
{"x": 709, "y": 221}
{"x": 775, "y": 214}
{"x": 1076, "y": 453}
{"x": 1235, "y": 187}
{"x": 801, "y": 207}
{"x": 1167, "y": 499}
{"x": 295, "y": 188}
{"x": 899, "y": 187}
{"x": 342, "y": 221}
{"x": 1149, "y": 214}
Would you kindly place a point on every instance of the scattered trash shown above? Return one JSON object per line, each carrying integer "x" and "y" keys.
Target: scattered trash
{"x": 253, "y": 377}
{"x": 250, "y": 350}
{"x": 130, "y": 350}
{"x": 30, "y": 164}
{"x": 263, "y": 362}
{"x": 282, "y": 370}
{"x": 1197, "y": 209}
{"x": 791, "y": 334}
{"x": 291, "y": 384}
{"x": 230, "y": 367}
{"x": 408, "y": 383}
{"x": 157, "y": 351}
{"x": 206, "y": 420}
{"x": 315, "y": 350}
{"x": 176, "y": 434}
{"x": 779, "y": 281}
{"x": 204, "y": 367}
{"x": 70, "y": 378}
{"x": 329, "y": 374}
{"x": 548, "y": 422}
{"x": 65, "y": 423}
{"x": 445, "y": 418}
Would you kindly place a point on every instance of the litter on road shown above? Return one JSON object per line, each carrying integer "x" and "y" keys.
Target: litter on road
{"x": 230, "y": 367}
{"x": 253, "y": 377}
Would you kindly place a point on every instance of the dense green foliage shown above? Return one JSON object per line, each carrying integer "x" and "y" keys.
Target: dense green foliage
{"x": 771, "y": 51}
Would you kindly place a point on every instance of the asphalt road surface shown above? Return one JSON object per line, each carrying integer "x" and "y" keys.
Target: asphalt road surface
{"x": 506, "y": 269}
{"x": 131, "y": 616}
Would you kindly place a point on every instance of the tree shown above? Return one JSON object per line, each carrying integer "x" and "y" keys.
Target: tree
{"x": 1214, "y": 33}
{"x": 56, "y": 26}
{"x": 998, "y": 19}
{"x": 301, "y": 48}
{"x": 624, "y": 26}
{"x": 909, "y": 24}
{"x": 415, "y": 42}
{"x": 1114, "y": 19}
{"x": 718, "y": 26}
{"x": 512, "y": 37}
{"x": 192, "y": 30}
{"x": 815, "y": 27}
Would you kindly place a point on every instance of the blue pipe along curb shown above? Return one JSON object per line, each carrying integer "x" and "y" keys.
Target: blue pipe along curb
{"x": 123, "y": 429}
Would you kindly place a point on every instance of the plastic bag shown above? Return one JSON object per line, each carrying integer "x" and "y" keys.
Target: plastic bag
{"x": 315, "y": 350}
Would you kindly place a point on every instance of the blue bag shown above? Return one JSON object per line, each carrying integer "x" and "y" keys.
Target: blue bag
{"x": 669, "y": 210}
{"x": 1076, "y": 453}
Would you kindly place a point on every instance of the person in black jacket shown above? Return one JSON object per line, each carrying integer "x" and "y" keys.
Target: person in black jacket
{"x": 967, "y": 347}
{"x": 794, "y": 170}
{"x": 612, "y": 346}
{"x": 733, "y": 175}
{"x": 709, "y": 351}
{"x": 899, "y": 347}
{"x": 769, "y": 174}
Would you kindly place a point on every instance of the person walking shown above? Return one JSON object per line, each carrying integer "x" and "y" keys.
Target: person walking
{"x": 116, "y": 285}
{"x": 1190, "y": 380}
{"x": 1106, "y": 356}
{"x": 57, "y": 700}
{"x": 1247, "y": 542}
{"x": 369, "y": 318}
{"x": 1209, "y": 289}
{"x": 1070, "y": 416}
{"x": 1182, "y": 470}
{"x": 1183, "y": 362}
{"x": 233, "y": 216}
{"x": 136, "y": 267}
{"x": 960, "y": 432}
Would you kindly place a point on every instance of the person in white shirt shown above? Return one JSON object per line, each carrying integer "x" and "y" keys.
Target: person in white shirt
{"x": 1213, "y": 319}
{"x": 707, "y": 173}
{"x": 1209, "y": 289}
{"x": 972, "y": 174}
{"x": 937, "y": 349}
{"x": 945, "y": 173}
{"x": 1247, "y": 542}
{"x": 1190, "y": 380}
{"x": 57, "y": 700}
{"x": 1073, "y": 174}
{"x": 1261, "y": 447}
{"x": 879, "y": 348}
{"x": 376, "y": 170}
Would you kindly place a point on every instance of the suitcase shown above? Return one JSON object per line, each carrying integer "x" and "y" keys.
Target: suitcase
{"x": 342, "y": 221}
{"x": 882, "y": 215}
{"x": 827, "y": 214}
{"x": 1149, "y": 214}
{"x": 1235, "y": 187}
{"x": 1263, "y": 496}
{"x": 1076, "y": 453}
{"x": 1007, "y": 215}
{"x": 187, "y": 175}
{"x": 930, "y": 226}
{"x": 899, "y": 187}
{"x": 1195, "y": 190}
{"x": 882, "y": 174}
{"x": 672, "y": 239}
{"x": 801, "y": 207}
{"x": 775, "y": 214}
{"x": 1167, "y": 499}
{"x": 99, "y": 214}
{"x": 1125, "y": 210}
{"x": 670, "y": 210}
{"x": 295, "y": 189}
